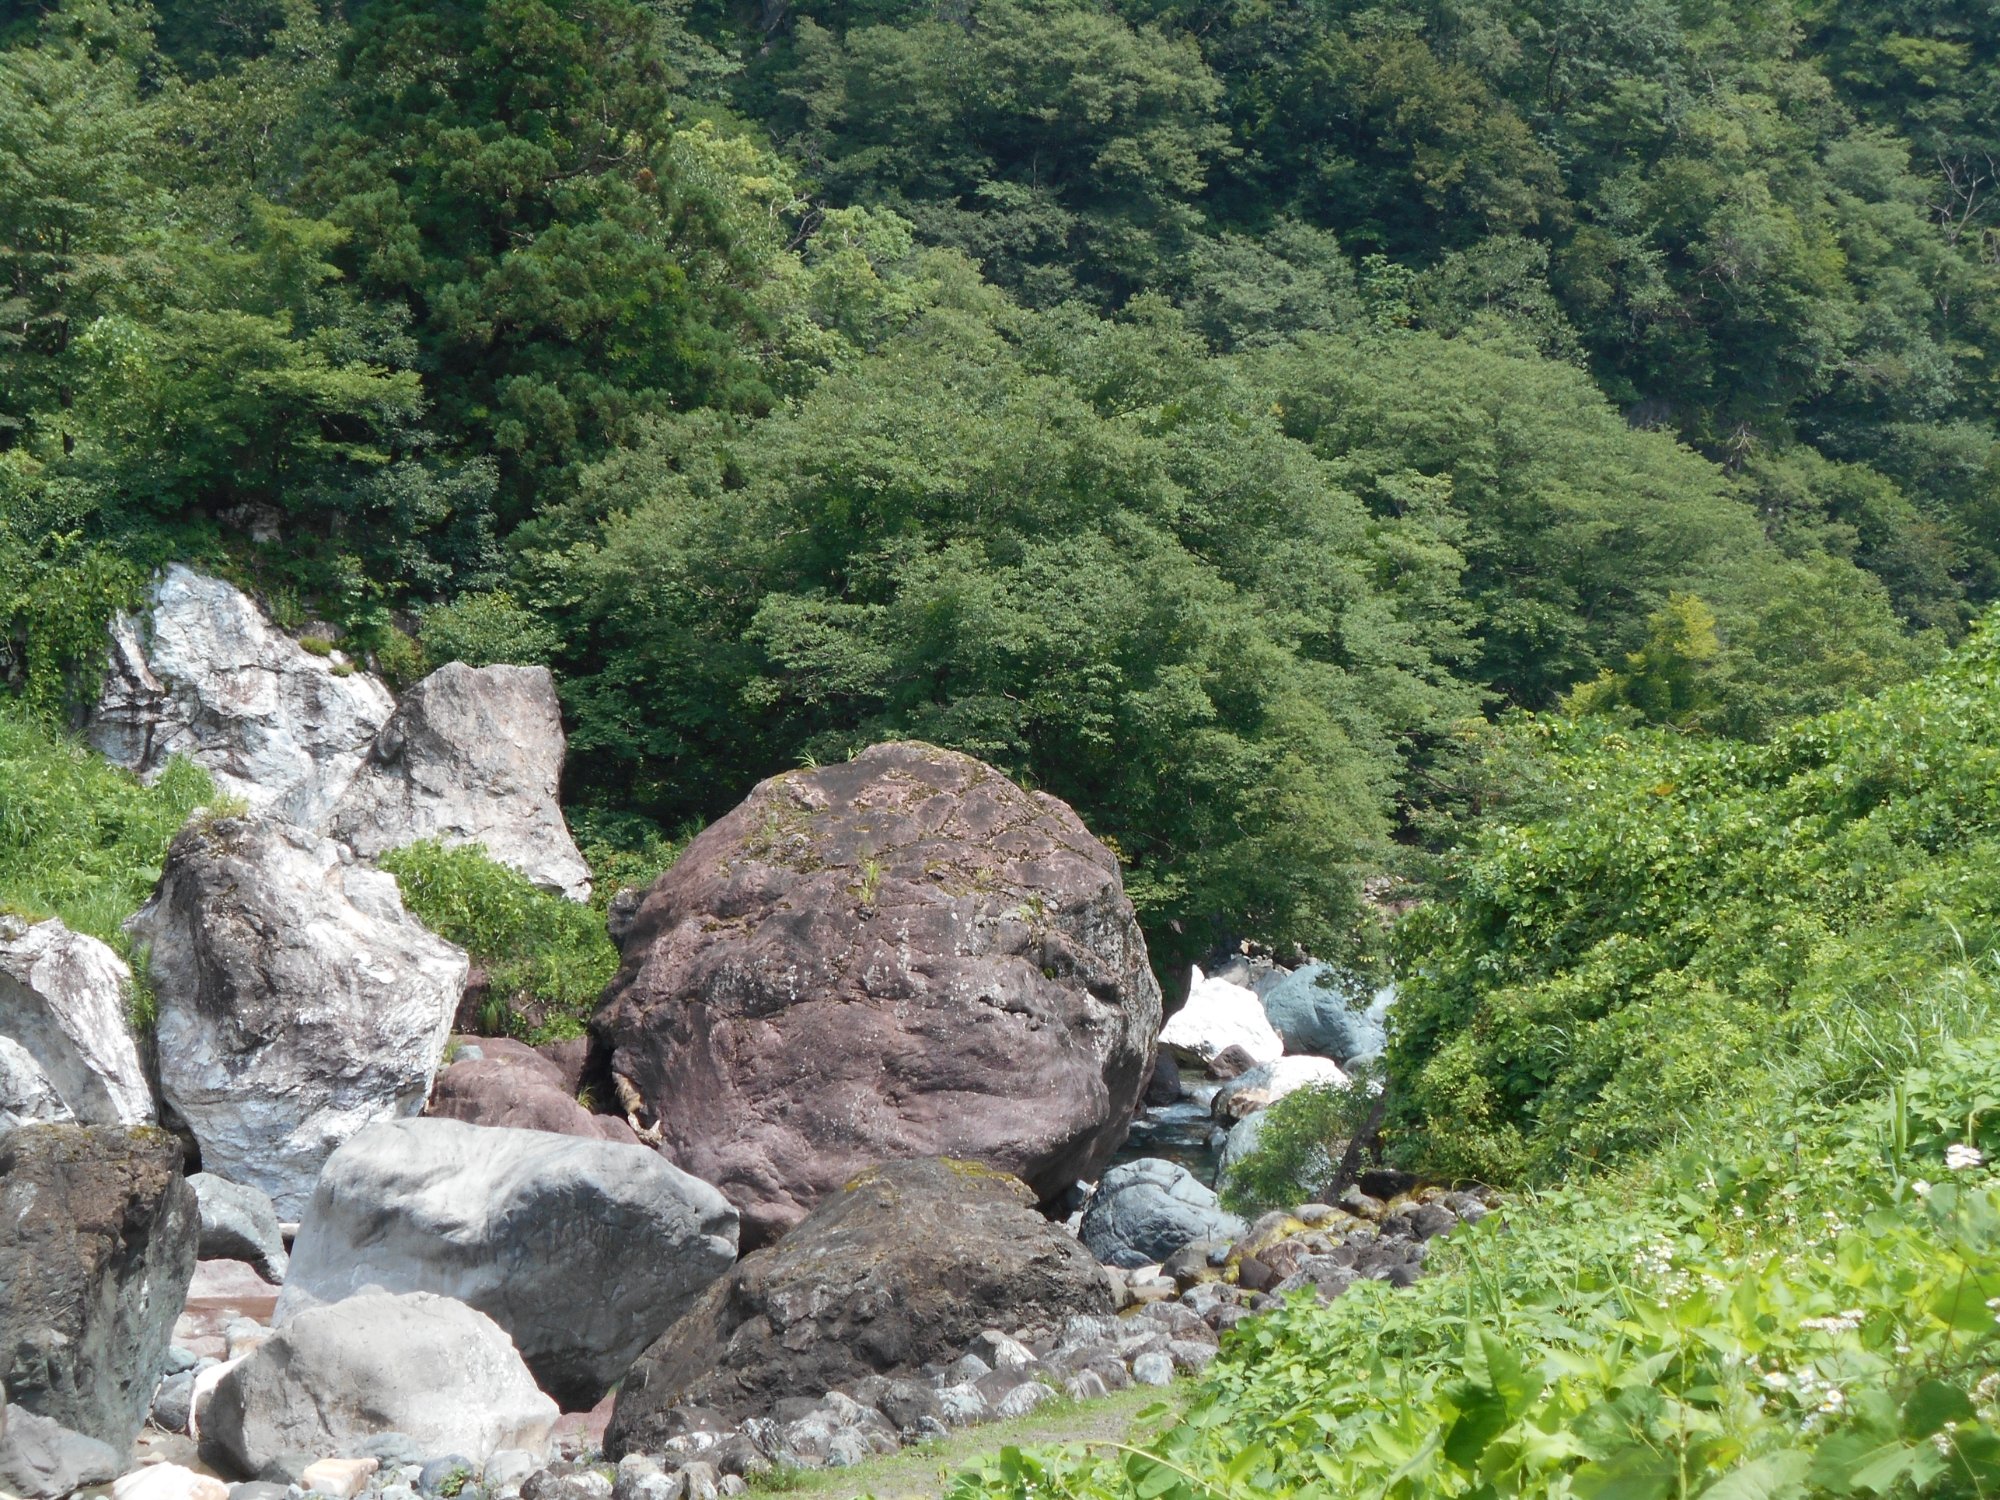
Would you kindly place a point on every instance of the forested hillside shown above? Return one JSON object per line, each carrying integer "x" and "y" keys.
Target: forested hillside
{"x": 1499, "y": 495}
{"x": 1207, "y": 413}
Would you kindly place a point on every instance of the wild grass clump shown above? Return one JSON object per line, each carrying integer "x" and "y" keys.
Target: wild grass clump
{"x": 547, "y": 959}
{"x": 79, "y": 838}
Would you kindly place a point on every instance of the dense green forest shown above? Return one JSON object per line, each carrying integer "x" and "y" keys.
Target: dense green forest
{"x": 1214, "y": 414}
{"x": 1544, "y": 453}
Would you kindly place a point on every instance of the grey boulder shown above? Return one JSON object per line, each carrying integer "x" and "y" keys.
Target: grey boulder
{"x": 1238, "y": 1144}
{"x": 97, "y": 1246}
{"x": 434, "y": 1370}
{"x": 583, "y": 1250}
{"x": 67, "y": 1052}
{"x": 1143, "y": 1211}
{"x": 472, "y": 755}
{"x": 43, "y": 1460}
{"x": 202, "y": 673}
{"x": 1317, "y": 1013}
{"x": 239, "y": 1223}
{"x": 298, "y": 1001}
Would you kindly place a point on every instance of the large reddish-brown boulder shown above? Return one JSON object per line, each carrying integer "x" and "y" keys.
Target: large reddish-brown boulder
{"x": 511, "y": 1084}
{"x": 904, "y": 955}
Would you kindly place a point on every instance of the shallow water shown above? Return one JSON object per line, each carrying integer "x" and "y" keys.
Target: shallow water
{"x": 1177, "y": 1133}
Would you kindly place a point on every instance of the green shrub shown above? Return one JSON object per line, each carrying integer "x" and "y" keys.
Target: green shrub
{"x": 547, "y": 959}
{"x": 1671, "y": 915}
{"x": 400, "y": 659}
{"x": 482, "y": 630}
{"x": 1299, "y": 1147}
{"x": 1803, "y": 1308}
{"x": 80, "y": 839}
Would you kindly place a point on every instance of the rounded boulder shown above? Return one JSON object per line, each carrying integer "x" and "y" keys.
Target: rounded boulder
{"x": 900, "y": 1269}
{"x": 901, "y": 956}
{"x": 582, "y": 1250}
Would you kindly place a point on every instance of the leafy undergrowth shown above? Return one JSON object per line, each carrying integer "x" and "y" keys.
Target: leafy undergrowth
{"x": 1738, "y": 1010}
{"x": 1810, "y": 1314}
{"x": 79, "y": 838}
{"x": 925, "y": 1470}
{"x": 547, "y": 959}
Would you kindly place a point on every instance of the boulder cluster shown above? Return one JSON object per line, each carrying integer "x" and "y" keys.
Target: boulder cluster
{"x": 842, "y": 1163}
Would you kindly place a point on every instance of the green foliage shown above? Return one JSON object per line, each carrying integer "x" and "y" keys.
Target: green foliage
{"x": 547, "y": 959}
{"x": 484, "y": 629}
{"x": 572, "y": 263}
{"x": 1053, "y": 143}
{"x": 1664, "y": 913}
{"x": 1041, "y": 551}
{"x": 79, "y": 839}
{"x": 1799, "y": 1306}
{"x": 1300, "y": 1143}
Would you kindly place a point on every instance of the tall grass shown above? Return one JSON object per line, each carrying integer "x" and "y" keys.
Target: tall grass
{"x": 80, "y": 839}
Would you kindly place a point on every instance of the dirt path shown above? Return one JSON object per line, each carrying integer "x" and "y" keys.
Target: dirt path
{"x": 920, "y": 1473}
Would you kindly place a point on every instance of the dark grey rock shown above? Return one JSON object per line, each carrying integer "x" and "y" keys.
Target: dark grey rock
{"x": 41, "y": 1459}
{"x": 1319, "y": 1014}
{"x": 909, "y": 1405}
{"x": 903, "y": 1266}
{"x": 1143, "y": 1211}
{"x": 239, "y": 1223}
{"x": 173, "y": 1402}
{"x": 97, "y": 1246}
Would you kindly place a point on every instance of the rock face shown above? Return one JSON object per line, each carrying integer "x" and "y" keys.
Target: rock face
{"x": 62, "y": 1006}
{"x": 427, "y": 1367}
{"x": 583, "y": 1251}
{"x": 904, "y": 955}
{"x": 97, "y": 1246}
{"x": 472, "y": 755}
{"x": 1220, "y": 1015}
{"x": 203, "y": 674}
{"x": 1267, "y": 1083}
{"x": 298, "y": 1001}
{"x": 903, "y": 1267}
{"x": 1316, "y": 1014}
{"x": 239, "y": 1223}
{"x": 1143, "y": 1211}
{"x": 513, "y": 1085}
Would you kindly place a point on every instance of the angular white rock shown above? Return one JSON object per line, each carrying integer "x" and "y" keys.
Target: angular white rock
{"x": 583, "y": 1250}
{"x": 63, "y": 998}
{"x": 1220, "y": 1015}
{"x": 203, "y": 674}
{"x": 1267, "y": 1083}
{"x": 26, "y": 1095}
{"x": 298, "y": 1001}
{"x": 473, "y": 755}
{"x": 428, "y": 1367}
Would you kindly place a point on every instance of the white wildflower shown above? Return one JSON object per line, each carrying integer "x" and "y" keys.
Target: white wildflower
{"x": 1833, "y": 1400}
{"x": 1959, "y": 1157}
{"x": 1921, "y": 1188}
{"x": 1777, "y": 1380}
{"x": 1845, "y": 1322}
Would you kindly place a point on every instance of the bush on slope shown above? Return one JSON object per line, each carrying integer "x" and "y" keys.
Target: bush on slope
{"x": 1765, "y": 983}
